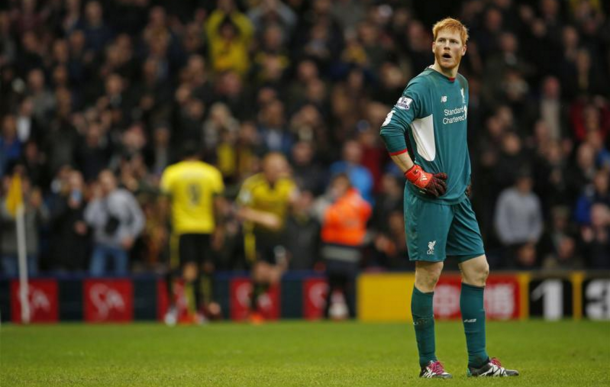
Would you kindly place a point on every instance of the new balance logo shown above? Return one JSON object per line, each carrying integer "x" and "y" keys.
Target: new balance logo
{"x": 423, "y": 178}
{"x": 431, "y": 246}
{"x": 472, "y": 320}
{"x": 444, "y": 98}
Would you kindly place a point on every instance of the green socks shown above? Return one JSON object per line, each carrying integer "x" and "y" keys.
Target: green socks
{"x": 473, "y": 317}
{"x": 423, "y": 321}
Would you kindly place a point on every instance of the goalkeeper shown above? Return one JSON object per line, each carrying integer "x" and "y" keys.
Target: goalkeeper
{"x": 440, "y": 222}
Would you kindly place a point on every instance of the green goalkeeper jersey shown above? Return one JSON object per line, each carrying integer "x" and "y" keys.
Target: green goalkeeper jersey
{"x": 432, "y": 112}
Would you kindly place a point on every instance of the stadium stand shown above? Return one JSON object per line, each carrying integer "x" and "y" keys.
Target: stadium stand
{"x": 87, "y": 86}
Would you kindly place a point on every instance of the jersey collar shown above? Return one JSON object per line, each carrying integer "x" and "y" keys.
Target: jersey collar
{"x": 450, "y": 79}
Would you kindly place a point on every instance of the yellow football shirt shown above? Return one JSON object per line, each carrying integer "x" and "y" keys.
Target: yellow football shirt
{"x": 258, "y": 194}
{"x": 192, "y": 186}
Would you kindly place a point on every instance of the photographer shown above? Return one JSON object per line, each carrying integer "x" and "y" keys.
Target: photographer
{"x": 116, "y": 219}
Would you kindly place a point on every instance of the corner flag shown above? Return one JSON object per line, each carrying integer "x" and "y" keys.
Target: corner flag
{"x": 14, "y": 197}
{"x": 14, "y": 205}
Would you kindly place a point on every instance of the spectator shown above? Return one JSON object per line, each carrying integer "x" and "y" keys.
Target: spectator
{"x": 10, "y": 146}
{"x": 387, "y": 225}
{"x": 161, "y": 153}
{"x": 348, "y": 13}
{"x": 273, "y": 130}
{"x": 392, "y": 82}
{"x": 152, "y": 93}
{"x": 72, "y": 17}
{"x": 506, "y": 60}
{"x": 69, "y": 232}
{"x": 43, "y": 100}
{"x": 195, "y": 78}
{"x": 303, "y": 234}
{"x": 28, "y": 127}
{"x": 525, "y": 257}
{"x": 34, "y": 164}
{"x": 511, "y": 160}
{"x": 8, "y": 46}
{"x": 307, "y": 123}
{"x": 306, "y": 72}
{"x": 558, "y": 249}
{"x": 31, "y": 53}
{"x": 273, "y": 12}
{"x": 97, "y": 33}
{"x": 387, "y": 201}
{"x": 518, "y": 216}
{"x": 349, "y": 99}
{"x": 248, "y": 150}
{"x": 161, "y": 43}
{"x": 229, "y": 33}
{"x": 79, "y": 59}
{"x": 115, "y": 99}
{"x": 231, "y": 91}
{"x": 374, "y": 155}
{"x": 598, "y": 192}
{"x": 319, "y": 34}
{"x": 116, "y": 221}
{"x": 308, "y": 174}
{"x": 595, "y": 238}
{"x": 193, "y": 41}
{"x": 369, "y": 36}
{"x": 360, "y": 177}
{"x": 94, "y": 152}
{"x": 602, "y": 155}
{"x": 27, "y": 18}
{"x": 418, "y": 46}
{"x": 60, "y": 142}
{"x": 582, "y": 173}
{"x": 219, "y": 120}
{"x": 271, "y": 59}
{"x": 488, "y": 35}
{"x": 390, "y": 249}
{"x": 551, "y": 109}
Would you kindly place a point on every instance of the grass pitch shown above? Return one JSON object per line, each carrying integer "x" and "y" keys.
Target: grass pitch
{"x": 293, "y": 354}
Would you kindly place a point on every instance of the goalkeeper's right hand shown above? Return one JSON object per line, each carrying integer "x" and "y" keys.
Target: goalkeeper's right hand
{"x": 431, "y": 184}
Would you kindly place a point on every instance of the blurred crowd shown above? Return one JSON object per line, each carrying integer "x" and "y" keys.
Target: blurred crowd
{"x": 98, "y": 96}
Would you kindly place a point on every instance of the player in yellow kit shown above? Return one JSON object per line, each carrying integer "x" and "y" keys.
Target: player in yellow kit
{"x": 194, "y": 189}
{"x": 264, "y": 200}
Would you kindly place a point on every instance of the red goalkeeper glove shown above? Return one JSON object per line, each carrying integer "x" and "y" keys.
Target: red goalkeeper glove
{"x": 431, "y": 184}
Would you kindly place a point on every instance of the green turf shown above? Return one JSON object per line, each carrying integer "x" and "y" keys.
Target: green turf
{"x": 292, "y": 354}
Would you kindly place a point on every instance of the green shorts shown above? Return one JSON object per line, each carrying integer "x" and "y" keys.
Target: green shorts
{"x": 435, "y": 231}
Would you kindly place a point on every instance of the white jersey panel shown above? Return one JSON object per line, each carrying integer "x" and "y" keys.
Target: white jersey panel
{"x": 423, "y": 132}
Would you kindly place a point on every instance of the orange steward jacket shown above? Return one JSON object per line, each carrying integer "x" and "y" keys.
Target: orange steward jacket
{"x": 345, "y": 220}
